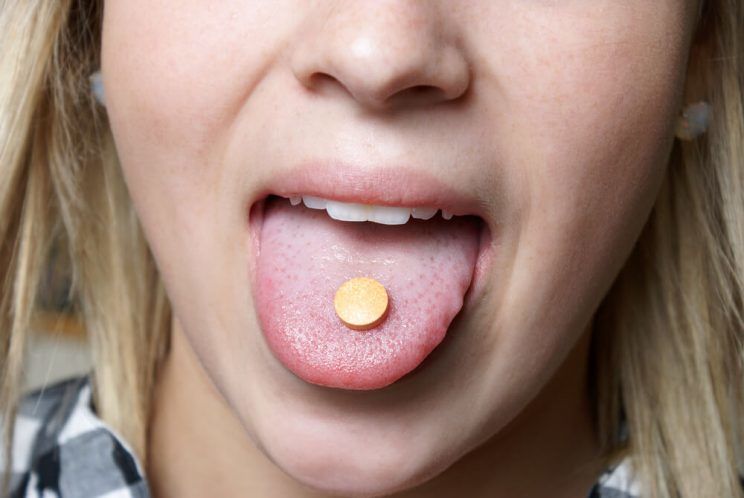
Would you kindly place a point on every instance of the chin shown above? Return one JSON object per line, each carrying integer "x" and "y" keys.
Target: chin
{"x": 356, "y": 476}
{"x": 343, "y": 460}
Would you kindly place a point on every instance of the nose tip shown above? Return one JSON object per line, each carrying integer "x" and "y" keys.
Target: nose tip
{"x": 383, "y": 58}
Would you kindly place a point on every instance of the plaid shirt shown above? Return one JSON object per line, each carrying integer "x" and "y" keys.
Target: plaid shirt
{"x": 62, "y": 449}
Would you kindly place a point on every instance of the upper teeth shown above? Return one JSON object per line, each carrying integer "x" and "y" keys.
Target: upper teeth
{"x": 387, "y": 215}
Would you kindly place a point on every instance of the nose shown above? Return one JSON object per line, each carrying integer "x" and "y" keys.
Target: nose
{"x": 384, "y": 53}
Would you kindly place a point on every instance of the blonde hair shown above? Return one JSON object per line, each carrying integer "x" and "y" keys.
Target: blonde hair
{"x": 667, "y": 344}
{"x": 60, "y": 181}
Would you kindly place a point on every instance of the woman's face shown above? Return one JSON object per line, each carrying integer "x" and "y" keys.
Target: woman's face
{"x": 549, "y": 122}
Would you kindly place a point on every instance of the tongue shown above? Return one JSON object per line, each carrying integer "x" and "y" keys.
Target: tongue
{"x": 425, "y": 266}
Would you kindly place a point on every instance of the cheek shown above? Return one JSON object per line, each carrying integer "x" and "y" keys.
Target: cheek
{"x": 583, "y": 110}
{"x": 175, "y": 80}
{"x": 583, "y": 105}
{"x": 604, "y": 117}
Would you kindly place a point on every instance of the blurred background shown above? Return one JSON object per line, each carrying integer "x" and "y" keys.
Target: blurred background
{"x": 57, "y": 348}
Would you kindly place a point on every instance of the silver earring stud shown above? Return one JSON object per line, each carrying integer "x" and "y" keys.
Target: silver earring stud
{"x": 693, "y": 121}
{"x": 96, "y": 87}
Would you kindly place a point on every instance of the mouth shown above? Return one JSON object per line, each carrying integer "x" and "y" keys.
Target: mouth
{"x": 423, "y": 242}
{"x": 385, "y": 215}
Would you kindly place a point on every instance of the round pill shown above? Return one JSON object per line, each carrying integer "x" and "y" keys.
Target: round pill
{"x": 361, "y": 303}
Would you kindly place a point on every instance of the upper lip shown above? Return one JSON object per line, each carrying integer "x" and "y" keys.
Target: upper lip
{"x": 381, "y": 185}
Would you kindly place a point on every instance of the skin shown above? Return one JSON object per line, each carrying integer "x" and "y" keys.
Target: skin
{"x": 557, "y": 116}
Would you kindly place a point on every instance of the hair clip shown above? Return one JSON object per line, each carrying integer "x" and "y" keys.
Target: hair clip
{"x": 693, "y": 121}
{"x": 96, "y": 87}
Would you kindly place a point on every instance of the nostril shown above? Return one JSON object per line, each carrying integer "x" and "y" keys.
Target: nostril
{"x": 418, "y": 95}
{"x": 420, "y": 91}
{"x": 318, "y": 80}
{"x": 423, "y": 89}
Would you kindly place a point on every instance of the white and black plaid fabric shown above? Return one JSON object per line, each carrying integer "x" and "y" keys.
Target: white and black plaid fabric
{"x": 62, "y": 449}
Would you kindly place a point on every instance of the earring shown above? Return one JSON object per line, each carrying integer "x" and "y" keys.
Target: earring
{"x": 693, "y": 121}
{"x": 96, "y": 87}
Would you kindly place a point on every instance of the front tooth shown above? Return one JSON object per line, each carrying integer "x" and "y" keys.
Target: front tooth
{"x": 314, "y": 202}
{"x": 295, "y": 200}
{"x": 422, "y": 213}
{"x": 344, "y": 211}
{"x": 389, "y": 215}
{"x": 446, "y": 215}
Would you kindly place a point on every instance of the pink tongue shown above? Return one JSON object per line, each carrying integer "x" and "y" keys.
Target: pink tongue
{"x": 426, "y": 267}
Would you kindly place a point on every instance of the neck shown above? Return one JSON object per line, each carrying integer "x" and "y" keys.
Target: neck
{"x": 197, "y": 446}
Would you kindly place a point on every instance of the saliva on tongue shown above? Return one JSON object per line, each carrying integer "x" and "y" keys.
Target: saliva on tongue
{"x": 304, "y": 256}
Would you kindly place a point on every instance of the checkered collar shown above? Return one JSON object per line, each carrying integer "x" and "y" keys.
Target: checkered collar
{"x": 62, "y": 448}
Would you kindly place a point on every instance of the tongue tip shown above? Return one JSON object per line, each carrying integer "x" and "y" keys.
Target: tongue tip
{"x": 349, "y": 382}
{"x": 371, "y": 378}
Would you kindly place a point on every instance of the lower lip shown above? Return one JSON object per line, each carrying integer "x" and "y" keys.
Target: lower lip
{"x": 473, "y": 294}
